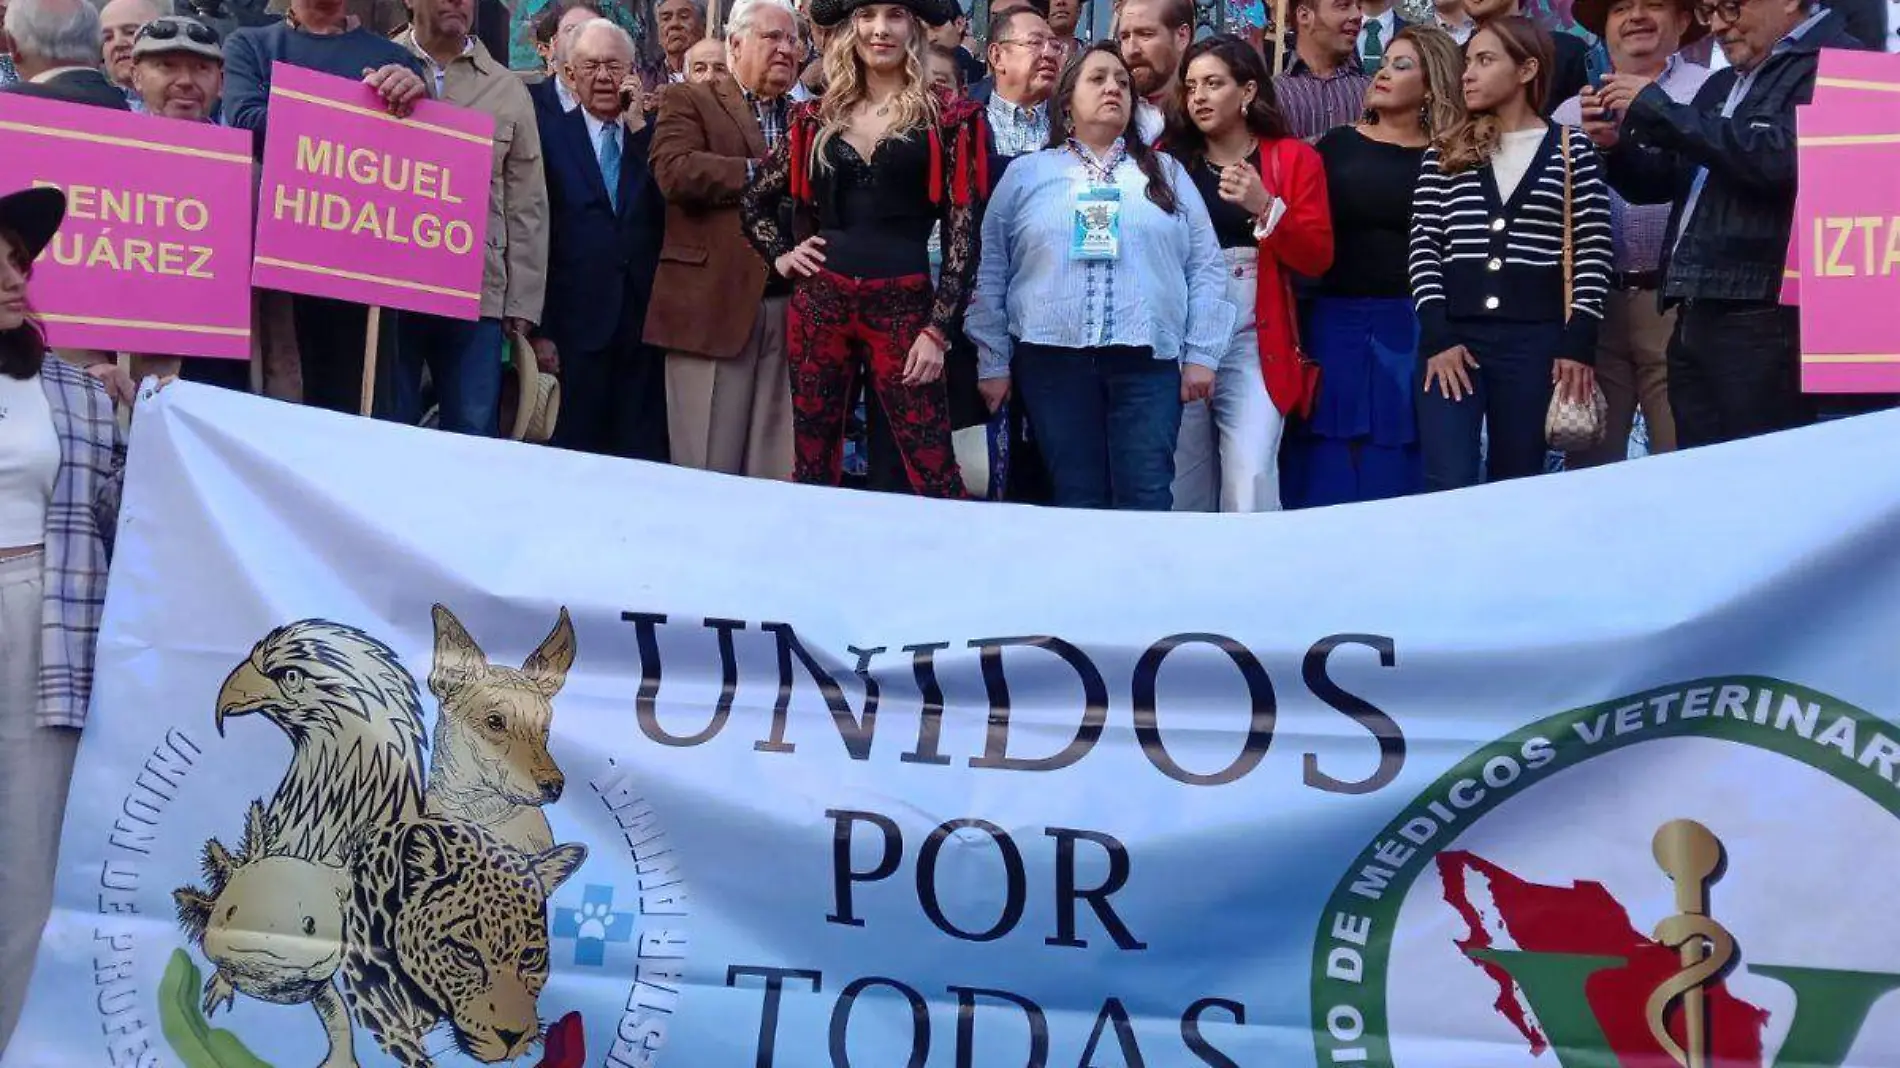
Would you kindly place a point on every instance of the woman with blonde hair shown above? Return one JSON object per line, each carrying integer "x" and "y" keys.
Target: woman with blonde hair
{"x": 1360, "y": 442}
{"x": 868, "y": 169}
{"x": 1510, "y": 265}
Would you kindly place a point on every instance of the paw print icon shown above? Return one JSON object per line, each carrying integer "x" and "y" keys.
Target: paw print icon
{"x": 593, "y": 925}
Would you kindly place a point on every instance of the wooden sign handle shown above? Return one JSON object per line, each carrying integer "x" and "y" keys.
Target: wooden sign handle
{"x": 370, "y": 337}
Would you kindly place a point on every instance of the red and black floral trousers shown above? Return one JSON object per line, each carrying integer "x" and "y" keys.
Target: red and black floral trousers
{"x": 836, "y": 323}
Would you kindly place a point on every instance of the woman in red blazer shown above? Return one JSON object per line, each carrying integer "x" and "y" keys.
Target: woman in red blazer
{"x": 1266, "y": 192}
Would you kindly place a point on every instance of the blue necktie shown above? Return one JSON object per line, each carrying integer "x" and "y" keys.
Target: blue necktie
{"x": 610, "y": 164}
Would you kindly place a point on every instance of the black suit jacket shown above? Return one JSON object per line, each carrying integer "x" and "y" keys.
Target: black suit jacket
{"x": 601, "y": 260}
{"x": 86, "y": 86}
{"x": 547, "y": 102}
{"x": 1570, "y": 75}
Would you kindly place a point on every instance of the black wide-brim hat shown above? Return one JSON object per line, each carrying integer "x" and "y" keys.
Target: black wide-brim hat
{"x": 1594, "y": 15}
{"x": 832, "y": 12}
{"x": 34, "y": 214}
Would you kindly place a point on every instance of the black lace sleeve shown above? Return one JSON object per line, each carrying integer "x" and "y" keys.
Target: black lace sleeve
{"x": 958, "y": 235}
{"x": 759, "y": 205}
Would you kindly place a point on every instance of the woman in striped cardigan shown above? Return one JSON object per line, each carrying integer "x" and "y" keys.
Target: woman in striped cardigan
{"x": 1488, "y": 265}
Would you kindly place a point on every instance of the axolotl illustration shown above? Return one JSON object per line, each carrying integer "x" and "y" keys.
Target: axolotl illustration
{"x": 272, "y": 928}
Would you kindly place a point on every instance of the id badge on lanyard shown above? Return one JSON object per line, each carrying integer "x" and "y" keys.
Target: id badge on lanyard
{"x": 1097, "y": 231}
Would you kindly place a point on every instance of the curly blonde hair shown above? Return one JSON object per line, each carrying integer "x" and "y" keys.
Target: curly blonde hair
{"x": 845, "y": 87}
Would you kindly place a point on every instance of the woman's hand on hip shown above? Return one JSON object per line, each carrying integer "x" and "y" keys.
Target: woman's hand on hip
{"x": 1197, "y": 382}
{"x": 1451, "y": 369}
{"x": 924, "y": 365}
{"x": 1575, "y": 381}
{"x": 803, "y": 261}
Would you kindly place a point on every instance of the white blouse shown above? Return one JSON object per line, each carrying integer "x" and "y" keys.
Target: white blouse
{"x": 29, "y": 458}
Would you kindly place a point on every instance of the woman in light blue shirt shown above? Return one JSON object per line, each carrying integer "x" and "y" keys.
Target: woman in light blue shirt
{"x": 1100, "y": 295}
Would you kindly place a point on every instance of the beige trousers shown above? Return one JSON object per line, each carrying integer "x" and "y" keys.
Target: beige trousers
{"x": 36, "y": 768}
{"x": 1633, "y": 371}
{"x": 735, "y": 415}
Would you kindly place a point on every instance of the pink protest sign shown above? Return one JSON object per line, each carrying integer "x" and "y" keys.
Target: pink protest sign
{"x": 154, "y": 253}
{"x": 1847, "y": 226}
{"x": 1841, "y": 108}
{"x": 359, "y": 205}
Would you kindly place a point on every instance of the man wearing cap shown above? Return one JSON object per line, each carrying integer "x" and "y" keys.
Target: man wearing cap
{"x": 177, "y": 70}
{"x": 464, "y": 357}
{"x": 1644, "y": 37}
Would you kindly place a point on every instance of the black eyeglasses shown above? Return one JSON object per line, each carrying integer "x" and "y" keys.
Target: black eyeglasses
{"x": 1730, "y": 10}
{"x": 166, "y": 29}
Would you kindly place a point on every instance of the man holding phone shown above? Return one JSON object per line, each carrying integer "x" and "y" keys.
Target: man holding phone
{"x": 1726, "y": 164}
{"x": 1644, "y": 39}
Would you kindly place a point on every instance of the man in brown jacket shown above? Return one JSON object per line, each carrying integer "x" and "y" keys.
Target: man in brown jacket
{"x": 465, "y": 357}
{"x": 718, "y": 310}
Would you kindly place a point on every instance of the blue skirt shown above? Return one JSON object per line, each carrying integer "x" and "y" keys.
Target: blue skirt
{"x": 1362, "y": 442}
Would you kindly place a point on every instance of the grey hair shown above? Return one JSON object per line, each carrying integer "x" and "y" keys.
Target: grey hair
{"x": 56, "y": 31}
{"x": 739, "y": 19}
{"x": 699, "y": 9}
{"x": 626, "y": 38}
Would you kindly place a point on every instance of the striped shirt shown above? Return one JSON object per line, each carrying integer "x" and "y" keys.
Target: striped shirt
{"x": 80, "y": 521}
{"x": 1313, "y": 105}
{"x": 1476, "y": 256}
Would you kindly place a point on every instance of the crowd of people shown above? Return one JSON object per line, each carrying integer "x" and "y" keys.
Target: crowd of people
{"x": 1149, "y": 272}
{"x": 846, "y": 242}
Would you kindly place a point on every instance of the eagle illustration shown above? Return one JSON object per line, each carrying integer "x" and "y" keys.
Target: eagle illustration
{"x": 354, "y": 719}
{"x": 271, "y": 916}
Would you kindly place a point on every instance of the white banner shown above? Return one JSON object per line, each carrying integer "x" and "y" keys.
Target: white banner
{"x": 409, "y": 748}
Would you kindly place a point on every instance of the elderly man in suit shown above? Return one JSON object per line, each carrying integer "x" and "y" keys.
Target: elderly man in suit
{"x": 56, "y": 49}
{"x": 728, "y": 388}
{"x": 606, "y": 221}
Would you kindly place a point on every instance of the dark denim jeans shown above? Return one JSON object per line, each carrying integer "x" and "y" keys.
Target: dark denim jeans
{"x": 1107, "y": 421}
{"x": 1511, "y": 395}
{"x": 464, "y": 361}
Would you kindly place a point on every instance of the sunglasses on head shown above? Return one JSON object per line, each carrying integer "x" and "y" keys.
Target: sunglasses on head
{"x": 166, "y": 29}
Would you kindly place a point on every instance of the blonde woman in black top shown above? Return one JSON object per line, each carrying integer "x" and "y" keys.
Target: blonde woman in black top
{"x": 1487, "y": 266}
{"x": 1361, "y": 441}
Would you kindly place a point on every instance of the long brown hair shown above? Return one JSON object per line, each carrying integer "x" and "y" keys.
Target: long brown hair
{"x": 1473, "y": 142}
{"x": 1062, "y": 124}
{"x": 23, "y": 348}
{"x": 1444, "y": 65}
{"x": 1186, "y": 141}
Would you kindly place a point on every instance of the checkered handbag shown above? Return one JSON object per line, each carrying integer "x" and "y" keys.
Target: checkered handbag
{"x": 1570, "y": 426}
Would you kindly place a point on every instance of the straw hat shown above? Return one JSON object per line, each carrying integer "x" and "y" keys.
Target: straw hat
{"x": 536, "y": 398}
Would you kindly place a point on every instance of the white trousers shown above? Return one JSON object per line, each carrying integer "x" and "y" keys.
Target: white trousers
{"x": 36, "y": 768}
{"x": 1228, "y": 455}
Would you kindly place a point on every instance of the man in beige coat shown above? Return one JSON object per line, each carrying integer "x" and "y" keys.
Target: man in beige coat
{"x": 718, "y": 311}
{"x": 464, "y": 357}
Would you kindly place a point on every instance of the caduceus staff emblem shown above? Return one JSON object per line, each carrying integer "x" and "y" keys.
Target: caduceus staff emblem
{"x": 1689, "y": 854}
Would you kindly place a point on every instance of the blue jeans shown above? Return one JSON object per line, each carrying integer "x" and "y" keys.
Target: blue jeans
{"x": 1107, "y": 421}
{"x": 1511, "y": 394}
{"x": 464, "y": 361}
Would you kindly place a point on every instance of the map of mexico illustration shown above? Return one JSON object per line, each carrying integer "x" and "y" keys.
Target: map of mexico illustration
{"x": 1558, "y": 933}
